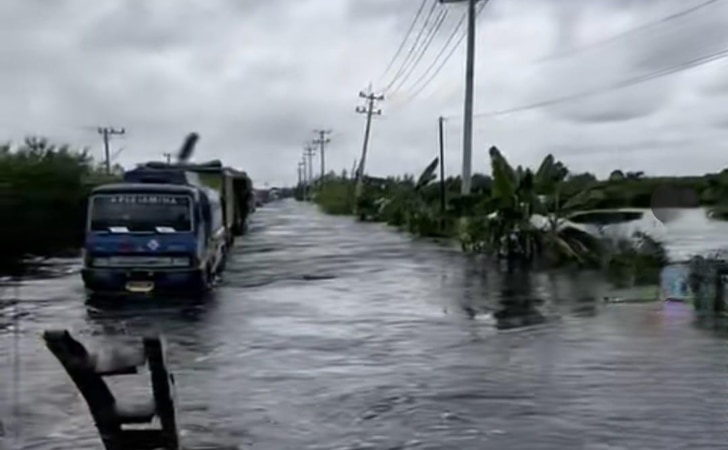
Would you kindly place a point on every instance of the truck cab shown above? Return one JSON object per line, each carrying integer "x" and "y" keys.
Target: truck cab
{"x": 150, "y": 234}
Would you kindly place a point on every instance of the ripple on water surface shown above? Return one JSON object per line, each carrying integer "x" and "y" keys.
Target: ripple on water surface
{"x": 330, "y": 334}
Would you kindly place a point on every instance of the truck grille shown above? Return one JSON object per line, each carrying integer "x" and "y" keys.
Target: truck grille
{"x": 140, "y": 261}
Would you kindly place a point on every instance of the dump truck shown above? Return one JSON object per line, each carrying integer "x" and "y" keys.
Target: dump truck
{"x": 236, "y": 192}
{"x": 165, "y": 228}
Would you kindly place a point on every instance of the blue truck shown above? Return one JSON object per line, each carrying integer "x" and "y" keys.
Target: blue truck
{"x": 164, "y": 229}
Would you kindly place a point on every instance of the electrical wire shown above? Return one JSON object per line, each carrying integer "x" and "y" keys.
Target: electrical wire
{"x": 423, "y": 49}
{"x": 437, "y": 58}
{"x": 404, "y": 41}
{"x": 610, "y": 87}
{"x": 447, "y": 57}
{"x": 673, "y": 16}
{"x": 631, "y": 31}
{"x": 414, "y": 46}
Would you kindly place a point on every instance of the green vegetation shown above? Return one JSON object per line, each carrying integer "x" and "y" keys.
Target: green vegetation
{"x": 337, "y": 198}
{"x": 522, "y": 217}
{"x": 43, "y": 189}
{"x": 707, "y": 284}
{"x": 634, "y": 261}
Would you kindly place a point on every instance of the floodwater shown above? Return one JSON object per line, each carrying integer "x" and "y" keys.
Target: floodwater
{"x": 331, "y": 334}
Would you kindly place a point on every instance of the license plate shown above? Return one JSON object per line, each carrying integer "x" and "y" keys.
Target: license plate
{"x": 142, "y": 287}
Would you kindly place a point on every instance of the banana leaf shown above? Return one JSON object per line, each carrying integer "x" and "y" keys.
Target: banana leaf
{"x": 545, "y": 171}
{"x": 583, "y": 199}
{"x": 505, "y": 179}
{"x": 428, "y": 175}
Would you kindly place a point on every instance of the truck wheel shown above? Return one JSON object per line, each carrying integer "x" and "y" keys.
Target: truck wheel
{"x": 223, "y": 262}
{"x": 237, "y": 229}
{"x": 209, "y": 278}
{"x": 204, "y": 282}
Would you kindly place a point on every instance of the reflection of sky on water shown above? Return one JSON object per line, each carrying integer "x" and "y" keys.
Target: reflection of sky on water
{"x": 667, "y": 315}
{"x": 675, "y": 313}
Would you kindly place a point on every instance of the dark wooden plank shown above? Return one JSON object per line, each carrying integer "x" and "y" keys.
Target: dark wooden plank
{"x": 75, "y": 359}
{"x": 163, "y": 389}
{"x": 86, "y": 369}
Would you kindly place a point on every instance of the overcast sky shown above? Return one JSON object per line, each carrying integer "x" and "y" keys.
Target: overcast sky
{"x": 255, "y": 77}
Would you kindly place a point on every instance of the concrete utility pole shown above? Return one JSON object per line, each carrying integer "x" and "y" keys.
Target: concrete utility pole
{"x": 441, "y": 139}
{"x": 322, "y": 140}
{"x": 309, "y": 153}
{"x": 105, "y": 132}
{"x": 352, "y": 175}
{"x": 469, "y": 91}
{"x": 302, "y": 172}
{"x": 369, "y": 111}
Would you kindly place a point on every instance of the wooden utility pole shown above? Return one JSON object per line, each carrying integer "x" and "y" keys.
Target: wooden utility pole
{"x": 369, "y": 111}
{"x": 168, "y": 157}
{"x": 309, "y": 153}
{"x": 441, "y": 135}
{"x": 105, "y": 132}
{"x": 469, "y": 91}
{"x": 322, "y": 140}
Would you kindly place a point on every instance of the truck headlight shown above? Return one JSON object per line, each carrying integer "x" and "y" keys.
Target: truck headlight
{"x": 180, "y": 262}
{"x": 100, "y": 262}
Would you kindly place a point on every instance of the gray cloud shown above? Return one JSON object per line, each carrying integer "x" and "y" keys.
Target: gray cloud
{"x": 602, "y": 64}
{"x": 255, "y": 77}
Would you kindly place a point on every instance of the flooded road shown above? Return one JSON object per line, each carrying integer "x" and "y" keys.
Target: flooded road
{"x": 330, "y": 334}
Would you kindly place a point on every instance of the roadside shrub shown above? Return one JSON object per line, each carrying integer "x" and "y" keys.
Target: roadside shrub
{"x": 43, "y": 190}
{"x": 635, "y": 261}
{"x": 336, "y": 197}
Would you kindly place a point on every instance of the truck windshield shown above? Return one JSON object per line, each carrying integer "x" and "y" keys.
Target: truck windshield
{"x": 141, "y": 212}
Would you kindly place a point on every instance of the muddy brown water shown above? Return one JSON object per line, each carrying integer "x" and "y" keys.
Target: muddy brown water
{"x": 330, "y": 334}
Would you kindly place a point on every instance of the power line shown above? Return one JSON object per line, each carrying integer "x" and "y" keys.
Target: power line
{"x": 437, "y": 58}
{"x": 117, "y": 153}
{"x": 443, "y": 49}
{"x": 614, "y": 86}
{"x": 447, "y": 57}
{"x": 462, "y": 37}
{"x": 414, "y": 46}
{"x": 406, "y": 37}
{"x": 423, "y": 49}
{"x": 631, "y": 31}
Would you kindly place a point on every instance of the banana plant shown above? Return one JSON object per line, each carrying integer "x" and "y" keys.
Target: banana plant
{"x": 406, "y": 206}
{"x": 425, "y": 219}
{"x": 527, "y": 220}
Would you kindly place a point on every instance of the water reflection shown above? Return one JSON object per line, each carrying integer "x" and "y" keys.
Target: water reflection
{"x": 284, "y": 359}
{"x": 514, "y": 302}
{"x": 518, "y": 307}
{"x": 520, "y": 298}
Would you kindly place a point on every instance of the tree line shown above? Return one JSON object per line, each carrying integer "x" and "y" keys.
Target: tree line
{"x": 43, "y": 192}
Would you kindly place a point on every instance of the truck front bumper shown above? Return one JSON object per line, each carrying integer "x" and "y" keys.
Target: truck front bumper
{"x": 110, "y": 281}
